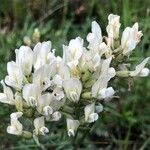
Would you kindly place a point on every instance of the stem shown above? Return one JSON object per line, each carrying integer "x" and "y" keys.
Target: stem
{"x": 77, "y": 142}
{"x": 38, "y": 143}
{"x": 127, "y": 138}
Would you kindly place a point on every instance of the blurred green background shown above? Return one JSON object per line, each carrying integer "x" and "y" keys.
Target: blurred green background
{"x": 125, "y": 124}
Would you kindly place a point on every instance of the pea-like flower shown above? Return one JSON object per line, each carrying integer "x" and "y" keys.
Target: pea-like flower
{"x": 73, "y": 52}
{"x": 130, "y": 38}
{"x": 140, "y": 69}
{"x": 15, "y": 76}
{"x": 72, "y": 126}
{"x": 7, "y": 96}
{"x": 41, "y": 53}
{"x": 15, "y": 127}
{"x": 113, "y": 29}
{"x": 39, "y": 125}
{"x": 73, "y": 88}
{"x": 95, "y": 37}
{"x": 101, "y": 84}
{"x": 31, "y": 94}
{"x": 24, "y": 59}
{"x": 113, "y": 26}
{"x": 90, "y": 115}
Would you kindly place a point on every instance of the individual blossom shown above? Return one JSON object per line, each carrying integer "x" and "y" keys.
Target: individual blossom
{"x": 89, "y": 112}
{"x": 113, "y": 26}
{"x": 15, "y": 127}
{"x": 101, "y": 84}
{"x": 41, "y": 52}
{"x": 95, "y": 37}
{"x": 72, "y": 126}
{"x": 43, "y": 104}
{"x": 73, "y": 52}
{"x": 31, "y": 94}
{"x": 130, "y": 38}
{"x": 7, "y": 96}
{"x": 113, "y": 30}
{"x": 140, "y": 69}
{"x": 39, "y": 125}
{"x": 24, "y": 59}
{"x": 73, "y": 88}
{"x": 15, "y": 76}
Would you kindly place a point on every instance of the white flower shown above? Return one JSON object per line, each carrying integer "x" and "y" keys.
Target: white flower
{"x": 7, "y": 96}
{"x": 39, "y": 125}
{"x": 41, "y": 52}
{"x": 31, "y": 94}
{"x": 105, "y": 75}
{"x": 140, "y": 70}
{"x": 138, "y": 34}
{"x": 106, "y": 93}
{"x": 73, "y": 88}
{"x": 95, "y": 38}
{"x": 113, "y": 26}
{"x": 15, "y": 127}
{"x": 89, "y": 112}
{"x": 15, "y": 76}
{"x": 24, "y": 59}
{"x": 130, "y": 38}
{"x": 72, "y": 126}
{"x": 43, "y": 103}
{"x": 73, "y": 52}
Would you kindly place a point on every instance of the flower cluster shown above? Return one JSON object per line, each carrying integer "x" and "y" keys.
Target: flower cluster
{"x": 44, "y": 87}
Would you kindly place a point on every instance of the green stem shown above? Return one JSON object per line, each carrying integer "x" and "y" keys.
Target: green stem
{"x": 126, "y": 143}
{"x": 38, "y": 143}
